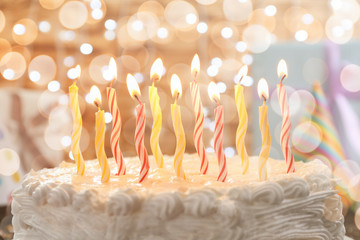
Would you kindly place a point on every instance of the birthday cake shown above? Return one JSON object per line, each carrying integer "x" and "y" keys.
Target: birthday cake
{"x": 58, "y": 204}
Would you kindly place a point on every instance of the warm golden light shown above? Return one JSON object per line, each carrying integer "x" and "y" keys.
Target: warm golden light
{"x": 132, "y": 86}
{"x": 156, "y": 70}
{"x": 263, "y": 89}
{"x": 176, "y": 86}
{"x": 78, "y": 71}
{"x": 195, "y": 65}
{"x": 113, "y": 68}
{"x": 282, "y": 69}
{"x": 96, "y": 95}
{"x": 243, "y": 72}
{"x": 213, "y": 92}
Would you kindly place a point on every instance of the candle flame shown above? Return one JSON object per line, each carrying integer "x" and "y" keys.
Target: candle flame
{"x": 243, "y": 72}
{"x": 195, "y": 65}
{"x": 263, "y": 89}
{"x": 96, "y": 95}
{"x": 213, "y": 92}
{"x": 282, "y": 69}
{"x": 113, "y": 68}
{"x": 78, "y": 71}
{"x": 176, "y": 86}
{"x": 132, "y": 86}
{"x": 156, "y": 70}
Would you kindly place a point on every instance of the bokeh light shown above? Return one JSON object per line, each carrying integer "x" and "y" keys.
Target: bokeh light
{"x": 206, "y": 2}
{"x": 257, "y": 38}
{"x": 9, "y": 161}
{"x": 51, "y": 4}
{"x": 25, "y": 31}
{"x": 237, "y": 11}
{"x": 42, "y": 69}
{"x": 176, "y": 13}
{"x": 97, "y": 66}
{"x": 306, "y": 137}
{"x": 202, "y": 27}
{"x": 44, "y": 26}
{"x": 12, "y": 65}
{"x": 73, "y": 14}
{"x": 54, "y": 86}
{"x": 86, "y": 48}
{"x": 350, "y": 78}
{"x": 142, "y": 26}
{"x": 336, "y": 31}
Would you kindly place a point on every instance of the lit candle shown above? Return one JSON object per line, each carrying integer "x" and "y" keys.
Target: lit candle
{"x": 286, "y": 123}
{"x": 155, "y": 75}
{"x": 199, "y": 116}
{"x": 116, "y": 119}
{"x": 176, "y": 91}
{"x": 263, "y": 91}
{"x": 100, "y": 135}
{"x": 134, "y": 91}
{"x": 218, "y": 133}
{"x": 243, "y": 121}
{"x": 77, "y": 126}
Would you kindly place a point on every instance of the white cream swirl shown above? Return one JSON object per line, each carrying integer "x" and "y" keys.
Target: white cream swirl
{"x": 123, "y": 203}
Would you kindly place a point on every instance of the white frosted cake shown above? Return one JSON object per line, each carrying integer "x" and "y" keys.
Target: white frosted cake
{"x": 57, "y": 204}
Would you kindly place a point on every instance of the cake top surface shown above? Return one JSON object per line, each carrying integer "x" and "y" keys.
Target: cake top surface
{"x": 165, "y": 180}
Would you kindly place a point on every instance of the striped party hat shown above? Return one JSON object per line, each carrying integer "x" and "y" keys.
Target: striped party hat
{"x": 326, "y": 141}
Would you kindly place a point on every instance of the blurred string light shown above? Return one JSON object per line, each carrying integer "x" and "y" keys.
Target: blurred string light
{"x": 54, "y": 86}
{"x": 270, "y": 10}
{"x": 301, "y": 35}
{"x": 110, "y": 35}
{"x": 86, "y": 48}
{"x": 162, "y": 33}
{"x": 241, "y": 46}
{"x": 110, "y": 24}
{"x": 66, "y": 141}
{"x": 202, "y": 27}
{"x": 108, "y": 117}
{"x": 69, "y": 61}
{"x": 226, "y": 32}
{"x": 44, "y": 26}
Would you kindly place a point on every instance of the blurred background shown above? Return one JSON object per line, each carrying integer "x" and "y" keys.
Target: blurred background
{"x": 41, "y": 42}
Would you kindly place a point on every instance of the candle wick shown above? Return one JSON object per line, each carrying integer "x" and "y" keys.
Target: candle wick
{"x": 264, "y": 98}
{"x": 282, "y": 78}
{"x": 97, "y": 104}
{"x": 153, "y": 83}
{"x": 112, "y": 81}
{"x": 241, "y": 78}
{"x": 137, "y": 98}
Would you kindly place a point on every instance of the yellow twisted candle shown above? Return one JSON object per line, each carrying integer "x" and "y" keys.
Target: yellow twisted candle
{"x": 155, "y": 74}
{"x": 178, "y": 127}
{"x": 265, "y": 130}
{"x": 77, "y": 126}
{"x": 243, "y": 122}
{"x": 100, "y": 136}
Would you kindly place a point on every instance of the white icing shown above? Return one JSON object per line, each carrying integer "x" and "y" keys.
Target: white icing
{"x": 56, "y": 204}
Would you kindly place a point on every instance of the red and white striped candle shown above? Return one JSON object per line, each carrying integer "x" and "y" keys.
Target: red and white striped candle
{"x": 116, "y": 119}
{"x": 199, "y": 116}
{"x": 286, "y": 123}
{"x": 134, "y": 90}
{"x": 218, "y": 133}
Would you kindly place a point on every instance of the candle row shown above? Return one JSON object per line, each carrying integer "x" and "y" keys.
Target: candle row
{"x": 176, "y": 90}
